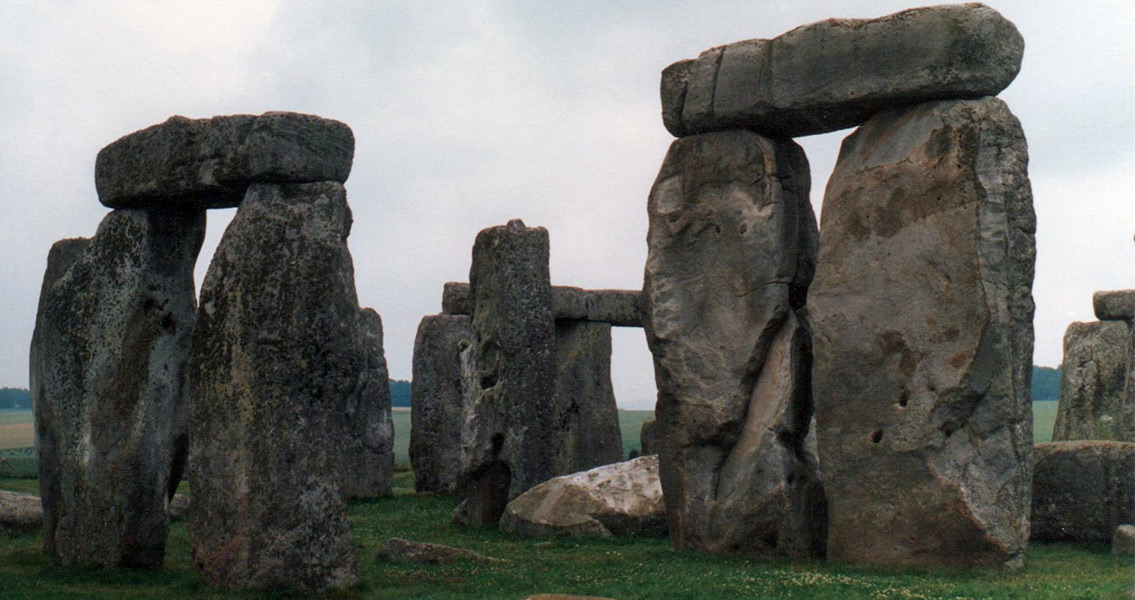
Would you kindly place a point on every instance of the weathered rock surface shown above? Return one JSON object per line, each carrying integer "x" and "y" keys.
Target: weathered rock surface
{"x": 617, "y": 307}
{"x": 509, "y": 442}
{"x": 1123, "y": 540}
{"x": 178, "y": 506}
{"x": 1082, "y": 490}
{"x": 438, "y": 398}
{"x": 922, "y": 309}
{"x": 838, "y": 73}
{"x": 732, "y": 248}
{"x": 209, "y": 163}
{"x": 1094, "y": 404}
{"x": 623, "y": 499}
{"x": 19, "y": 513}
{"x": 281, "y": 355}
{"x": 407, "y": 552}
{"x": 367, "y": 456}
{"x": 586, "y": 416}
{"x": 107, "y": 376}
{"x": 1114, "y": 306}
{"x": 648, "y": 436}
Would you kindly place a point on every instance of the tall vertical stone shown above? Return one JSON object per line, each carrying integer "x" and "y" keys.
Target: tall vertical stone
{"x": 280, "y": 355}
{"x": 586, "y": 415}
{"x": 1094, "y": 403}
{"x": 922, "y": 309}
{"x": 732, "y": 249}
{"x": 438, "y": 399}
{"x": 107, "y": 374}
{"x": 367, "y": 457}
{"x": 508, "y": 439}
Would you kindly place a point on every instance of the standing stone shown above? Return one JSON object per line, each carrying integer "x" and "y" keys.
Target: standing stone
{"x": 1094, "y": 404}
{"x": 438, "y": 399}
{"x": 107, "y": 374}
{"x": 368, "y": 444}
{"x": 279, "y": 358}
{"x": 1082, "y": 490}
{"x": 923, "y": 312}
{"x": 731, "y": 253}
{"x": 586, "y": 416}
{"x": 648, "y": 437}
{"x": 509, "y": 443}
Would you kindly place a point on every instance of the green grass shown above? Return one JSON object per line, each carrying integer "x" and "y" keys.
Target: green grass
{"x": 623, "y": 568}
{"x": 1044, "y": 418}
{"x": 15, "y": 416}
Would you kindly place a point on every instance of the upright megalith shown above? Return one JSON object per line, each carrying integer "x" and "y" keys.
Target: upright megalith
{"x": 731, "y": 252}
{"x": 108, "y": 357}
{"x": 838, "y": 73}
{"x": 922, "y": 309}
{"x": 438, "y": 400}
{"x": 366, "y": 459}
{"x": 585, "y": 413}
{"x": 1094, "y": 403}
{"x": 508, "y": 440}
{"x": 281, "y": 356}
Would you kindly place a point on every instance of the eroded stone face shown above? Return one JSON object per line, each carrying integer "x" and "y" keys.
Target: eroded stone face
{"x": 616, "y": 307}
{"x": 284, "y": 371}
{"x": 108, "y": 363}
{"x": 439, "y": 393}
{"x": 732, "y": 247}
{"x": 922, "y": 309}
{"x": 586, "y": 415}
{"x": 1094, "y": 402}
{"x": 838, "y": 73}
{"x": 1082, "y": 490}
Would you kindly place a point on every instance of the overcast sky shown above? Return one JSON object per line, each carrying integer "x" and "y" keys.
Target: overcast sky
{"x": 468, "y": 114}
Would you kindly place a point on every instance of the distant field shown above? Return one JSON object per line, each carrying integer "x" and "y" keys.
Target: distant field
{"x": 1044, "y": 417}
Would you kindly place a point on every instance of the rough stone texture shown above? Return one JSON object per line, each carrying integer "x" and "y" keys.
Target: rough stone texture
{"x": 282, "y": 355}
{"x": 407, "y": 552}
{"x": 509, "y": 442}
{"x": 178, "y": 506}
{"x": 731, "y": 251}
{"x": 922, "y": 309}
{"x": 1082, "y": 490}
{"x": 19, "y": 513}
{"x": 648, "y": 436}
{"x": 210, "y": 163}
{"x": 617, "y": 307}
{"x": 438, "y": 398}
{"x": 586, "y": 416}
{"x": 1123, "y": 540}
{"x": 107, "y": 374}
{"x": 1094, "y": 404}
{"x": 367, "y": 457}
{"x": 622, "y": 499}
{"x": 838, "y": 73}
{"x": 1114, "y": 306}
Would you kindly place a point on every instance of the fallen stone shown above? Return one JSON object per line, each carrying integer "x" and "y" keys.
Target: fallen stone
{"x": 281, "y": 354}
{"x": 108, "y": 362}
{"x": 621, "y": 499}
{"x": 648, "y": 436}
{"x": 731, "y": 251}
{"x": 923, "y": 311}
{"x": 586, "y": 416}
{"x": 1094, "y": 404}
{"x": 19, "y": 513}
{"x": 403, "y": 551}
{"x": 438, "y": 398}
{"x": 1082, "y": 491}
{"x": 178, "y": 506}
{"x": 617, "y": 307}
{"x": 1123, "y": 540}
{"x": 209, "y": 163}
{"x": 1114, "y": 306}
{"x": 838, "y": 73}
{"x": 509, "y": 440}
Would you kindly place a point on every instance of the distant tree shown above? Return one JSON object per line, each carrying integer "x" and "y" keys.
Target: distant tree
{"x": 1046, "y": 384}
{"x": 11, "y": 398}
{"x": 399, "y": 393}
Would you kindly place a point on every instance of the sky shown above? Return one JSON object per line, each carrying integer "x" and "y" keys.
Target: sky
{"x": 469, "y": 114}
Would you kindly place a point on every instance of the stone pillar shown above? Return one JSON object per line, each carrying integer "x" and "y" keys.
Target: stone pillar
{"x": 1093, "y": 380}
{"x": 508, "y": 439}
{"x": 732, "y": 248}
{"x": 439, "y": 393}
{"x": 586, "y": 415}
{"x": 648, "y": 437}
{"x": 922, "y": 308}
{"x": 107, "y": 377}
{"x": 277, "y": 357}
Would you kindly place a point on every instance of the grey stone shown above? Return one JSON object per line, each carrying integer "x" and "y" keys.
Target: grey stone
{"x": 617, "y": 307}
{"x": 731, "y": 251}
{"x": 178, "y": 506}
{"x": 404, "y": 551}
{"x": 19, "y": 513}
{"x": 648, "y": 436}
{"x": 438, "y": 399}
{"x": 1094, "y": 404}
{"x": 620, "y": 499}
{"x": 1123, "y": 540}
{"x": 367, "y": 457}
{"x": 1114, "y": 306}
{"x": 107, "y": 374}
{"x": 509, "y": 443}
{"x": 209, "y": 163}
{"x": 281, "y": 354}
{"x": 1082, "y": 490}
{"x": 585, "y": 413}
{"x": 923, "y": 311}
{"x": 838, "y": 73}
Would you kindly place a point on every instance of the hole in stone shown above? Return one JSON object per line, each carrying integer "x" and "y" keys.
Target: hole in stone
{"x": 169, "y": 324}
{"x": 743, "y": 229}
{"x": 904, "y": 398}
{"x": 717, "y": 229}
{"x": 488, "y": 381}
{"x": 877, "y": 436}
